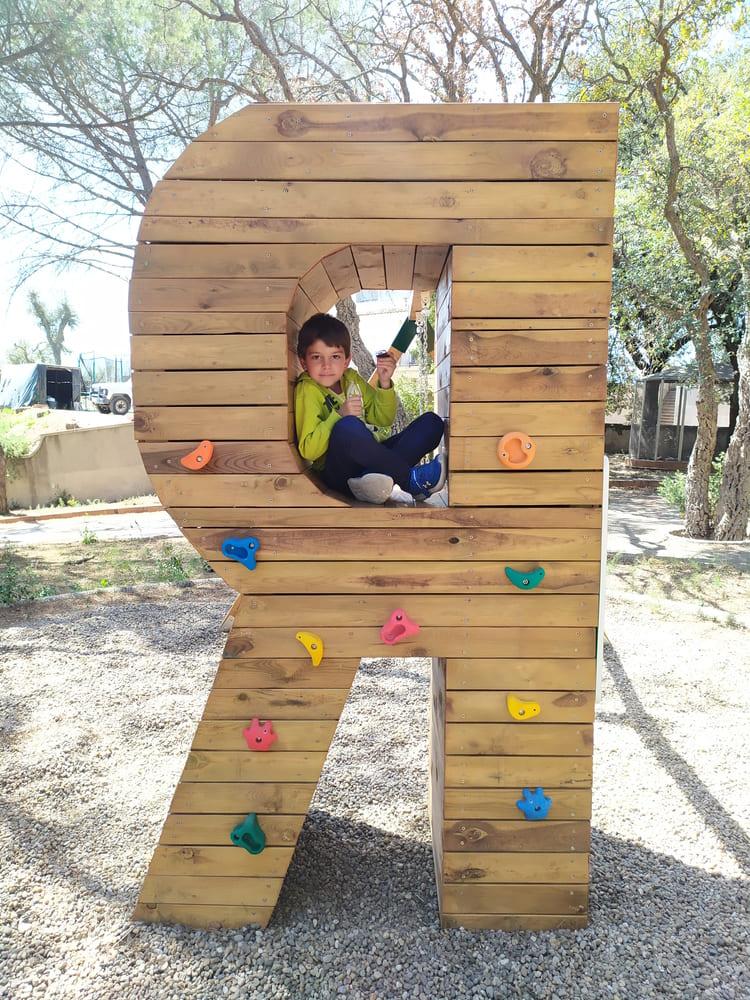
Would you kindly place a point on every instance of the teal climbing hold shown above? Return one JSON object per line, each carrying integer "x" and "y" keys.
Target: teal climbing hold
{"x": 525, "y": 581}
{"x": 241, "y": 549}
{"x": 249, "y": 835}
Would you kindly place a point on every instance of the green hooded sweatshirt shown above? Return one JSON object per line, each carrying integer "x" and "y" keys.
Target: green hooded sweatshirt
{"x": 316, "y": 411}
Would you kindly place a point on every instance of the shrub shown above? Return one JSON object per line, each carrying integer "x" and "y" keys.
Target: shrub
{"x": 170, "y": 566}
{"x": 408, "y": 392}
{"x": 17, "y": 579}
{"x": 672, "y": 487}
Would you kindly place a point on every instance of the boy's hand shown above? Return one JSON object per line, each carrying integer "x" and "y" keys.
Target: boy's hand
{"x": 386, "y": 365}
{"x": 352, "y": 407}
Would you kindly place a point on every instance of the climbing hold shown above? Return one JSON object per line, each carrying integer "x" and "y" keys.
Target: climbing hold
{"x": 398, "y": 627}
{"x": 249, "y": 835}
{"x": 241, "y": 549}
{"x": 516, "y": 450}
{"x": 522, "y": 711}
{"x": 534, "y": 805}
{"x": 259, "y": 735}
{"x": 313, "y": 644}
{"x": 525, "y": 581}
{"x": 199, "y": 457}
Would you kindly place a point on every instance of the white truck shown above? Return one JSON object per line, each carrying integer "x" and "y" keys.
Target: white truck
{"x": 112, "y": 397}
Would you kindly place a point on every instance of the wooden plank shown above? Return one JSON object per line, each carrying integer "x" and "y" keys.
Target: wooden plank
{"x": 237, "y": 458}
{"x": 437, "y": 770}
{"x": 563, "y": 382}
{"x": 528, "y": 347}
{"x": 553, "y": 419}
{"x": 198, "y": 915}
{"x": 217, "y": 423}
{"x": 506, "y": 738}
{"x": 199, "y": 351}
{"x": 511, "y": 922}
{"x": 345, "y": 122}
{"x": 517, "y": 772}
{"x": 207, "y": 889}
{"x": 385, "y": 199}
{"x": 205, "y": 830}
{"x": 430, "y": 543}
{"x": 540, "y": 263}
{"x": 315, "y": 611}
{"x": 552, "y": 453}
{"x": 486, "y": 706}
{"x": 269, "y": 260}
{"x": 212, "y": 861}
{"x": 236, "y": 387}
{"x": 273, "y": 673}
{"x": 399, "y": 266}
{"x": 228, "y": 765}
{"x": 500, "y": 804}
{"x": 515, "y": 898}
{"x": 390, "y": 515}
{"x": 318, "y": 287}
{"x": 301, "y": 307}
{"x": 528, "y": 323}
{"x": 431, "y": 641}
{"x": 210, "y": 229}
{"x": 403, "y": 578}
{"x": 210, "y": 294}
{"x": 529, "y": 675}
{"x": 293, "y": 734}
{"x": 342, "y": 272}
{"x": 531, "y": 298}
{"x": 475, "y": 488}
{"x": 510, "y": 160}
{"x": 516, "y": 835}
{"x": 368, "y": 259}
{"x": 284, "y": 798}
{"x": 277, "y": 491}
{"x": 428, "y": 265}
{"x": 276, "y": 704}
{"x": 199, "y": 322}
{"x": 468, "y": 868}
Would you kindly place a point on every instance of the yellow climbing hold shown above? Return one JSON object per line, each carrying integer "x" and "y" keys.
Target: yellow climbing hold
{"x": 522, "y": 711}
{"x": 314, "y": 646}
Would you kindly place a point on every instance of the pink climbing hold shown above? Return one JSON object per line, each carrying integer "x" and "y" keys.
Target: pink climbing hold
{"x": 399, "y": 626}
{"x": 259, "y": 735}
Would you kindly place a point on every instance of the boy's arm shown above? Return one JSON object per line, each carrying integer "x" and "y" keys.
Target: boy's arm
{"x": 379, "y": 404}
{"x": 313, "y": 422}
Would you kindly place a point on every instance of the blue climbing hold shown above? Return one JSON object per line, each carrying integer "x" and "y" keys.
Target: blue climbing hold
{"x": 534, "y": 805}
{"x": 241, "y": 549}
{"x": 525, "y": 581}
{"x": 249, "y": 835}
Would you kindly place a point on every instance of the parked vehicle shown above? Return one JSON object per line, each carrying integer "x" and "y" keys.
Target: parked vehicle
{"x": 112, "y": 397}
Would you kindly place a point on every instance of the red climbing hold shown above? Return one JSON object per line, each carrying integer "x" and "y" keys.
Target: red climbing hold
{"x": 259, "y": 735}
{"x": 399, "y": 626}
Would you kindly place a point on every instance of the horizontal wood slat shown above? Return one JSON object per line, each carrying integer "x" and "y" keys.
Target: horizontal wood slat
{"x": 385, "y": 199}
{"x": 467, "y": 868}
{"x": 531, "y": 298}
{"x": 532, "y": 263}
{"x": 279, "y": 703}
{"x": 209, "y": 294}
{"x": 526, "y": 675}
{"x": 552, "y": 454}
{"x": 197, "y": 321}
{"x": 490, "y": 706}
{"x": 527, "y": 347}
{"x": 526, "y": 487}
{"x": 293, "y": 734}
{"x": 238, "y": 458}
{"x": 207, "y": 830}
{"x": 545, "y": 739}
{"x": 230, "y": 261}
{"x": 514, "y": 921}
{"x": 242, "y": 796}
{"x": 200, "y": 915}
{"x": 210, "y": 889}
{"x": 570, "y": 382}
{"x": 517, "y": 772}
{"x": 203, "y": 488}
{"x": 553, "y": 419}
{"x": 264, "y": 388}
{"x": 200, "y": 351}
{"x": 228, "y": 861}
{"x": 217, "y": 423}
{"x": 468, "y": 804}
{"x": 510, "y": 160}
{"x": 230, "y": 765}
{"x": 515, "y": 898}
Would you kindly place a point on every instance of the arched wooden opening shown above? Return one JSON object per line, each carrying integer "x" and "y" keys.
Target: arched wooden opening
{"x": 245, "y": 234}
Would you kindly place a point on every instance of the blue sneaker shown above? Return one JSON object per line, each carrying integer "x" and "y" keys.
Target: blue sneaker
{"x": 428, "y": 478}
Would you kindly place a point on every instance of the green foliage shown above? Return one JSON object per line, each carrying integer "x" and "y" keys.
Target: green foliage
{"x": 408, "y": 392}
{"x": 170, "y": 566}
{"x": 17, "y": 579}
{"x": 672, "y": 487}
{"x": 88, "y": 537}
{"x": 65, "y": 499}
{"x": 19, "y": 432}
{"x": 24, "y": 353}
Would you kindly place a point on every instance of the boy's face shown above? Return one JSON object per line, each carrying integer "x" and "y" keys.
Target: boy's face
{"x": 324, "y": 364}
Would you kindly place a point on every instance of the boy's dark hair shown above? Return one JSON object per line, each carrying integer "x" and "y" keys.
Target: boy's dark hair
{"x": 327, "y": 328}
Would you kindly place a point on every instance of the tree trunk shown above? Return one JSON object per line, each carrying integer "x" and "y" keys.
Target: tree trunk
{"x": 364, "y": 362}
{"x": 697, "y": 508}
{"x": 733, "y": 510}
{"x": 3, "y": 484}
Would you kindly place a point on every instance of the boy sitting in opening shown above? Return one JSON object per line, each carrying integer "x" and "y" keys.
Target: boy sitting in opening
{"x": 331, "y": 403}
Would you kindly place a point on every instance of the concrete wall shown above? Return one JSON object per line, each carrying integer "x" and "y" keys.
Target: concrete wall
{"x": 90, "y": 463}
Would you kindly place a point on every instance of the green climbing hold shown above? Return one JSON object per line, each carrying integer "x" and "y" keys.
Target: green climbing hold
{"x": 525, "y": 581}
{"x": 249, "y": 835}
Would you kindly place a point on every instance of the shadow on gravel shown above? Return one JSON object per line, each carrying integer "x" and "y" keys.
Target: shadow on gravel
{"x": 714, "y": 814}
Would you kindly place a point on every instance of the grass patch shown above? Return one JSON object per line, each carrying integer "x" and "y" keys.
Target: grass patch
{"x": 32, "y": 571}
{"x": 722, "y": 587}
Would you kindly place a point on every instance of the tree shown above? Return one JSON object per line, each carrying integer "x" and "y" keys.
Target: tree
{"x": 24, "y": 353}
{"x": 54, "y": 321}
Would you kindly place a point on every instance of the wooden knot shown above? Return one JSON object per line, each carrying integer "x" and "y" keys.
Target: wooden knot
{"x": 548, "y": 163}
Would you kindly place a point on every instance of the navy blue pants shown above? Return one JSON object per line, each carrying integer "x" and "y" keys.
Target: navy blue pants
{"x": 353, "y": 451}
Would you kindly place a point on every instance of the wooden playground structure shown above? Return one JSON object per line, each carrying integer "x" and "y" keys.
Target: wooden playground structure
{"x": 273, "y": 215}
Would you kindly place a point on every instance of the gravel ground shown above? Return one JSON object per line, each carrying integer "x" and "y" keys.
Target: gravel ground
{"x": 101, "y": 697}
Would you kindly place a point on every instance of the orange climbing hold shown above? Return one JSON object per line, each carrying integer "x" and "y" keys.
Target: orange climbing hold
{"x": 199, "y": 457}
{"x": 516, "y": 450}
